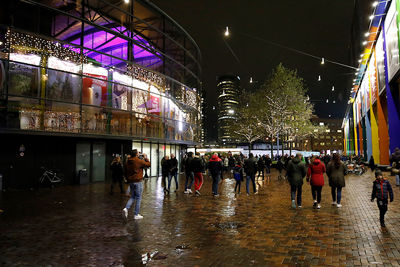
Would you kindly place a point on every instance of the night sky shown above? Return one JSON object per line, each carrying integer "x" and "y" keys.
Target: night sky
{"x": 318, "y": 27}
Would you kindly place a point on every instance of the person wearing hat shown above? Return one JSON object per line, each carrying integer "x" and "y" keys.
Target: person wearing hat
{"x": 381, "y": 190}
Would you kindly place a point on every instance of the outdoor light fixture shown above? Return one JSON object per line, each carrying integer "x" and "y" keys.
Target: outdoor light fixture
{"x": 319, "y": 78}
{"x": 360, "y": 61}
{"x": 251, "y": 79}
{"x": 374, "y": 4}
{"x": 333, "y": 88}
{"x": 365, "y": 42}
{"x": 371, "y": 17}
{"x": 366, "y": 34}
{"x": 126, "y": 1}
{"x": 327, "y": 100}
{"x": 334, "y": 101}
{"x": 226, "y": 31}
{"x": 322, "y": 61}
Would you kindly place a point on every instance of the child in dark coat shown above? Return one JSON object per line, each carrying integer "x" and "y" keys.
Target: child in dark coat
{"x": 238, "y": 175}
{"x": 381, "y": 190}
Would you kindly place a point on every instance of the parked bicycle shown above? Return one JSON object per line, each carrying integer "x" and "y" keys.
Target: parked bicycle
{"x": 50, "y": 177}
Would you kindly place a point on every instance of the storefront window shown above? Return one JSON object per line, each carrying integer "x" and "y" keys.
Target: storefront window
{"x": 60, "y": 117}
{"x": 120, "y": 123}
{"x": 94, "y": 120}
{"x": 24, "y": 80}
{"x": 63, "y": 86}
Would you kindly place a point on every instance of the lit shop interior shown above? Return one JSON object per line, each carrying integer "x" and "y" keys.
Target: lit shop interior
{"x": 96, "y": 84}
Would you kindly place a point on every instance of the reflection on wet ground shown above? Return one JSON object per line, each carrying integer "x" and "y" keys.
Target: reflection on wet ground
{"x": 83, "y": 225}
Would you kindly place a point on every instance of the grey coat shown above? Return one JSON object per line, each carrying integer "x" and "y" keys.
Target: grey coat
{"x": 336, "y": 175}
{"x": 296, "y": 171}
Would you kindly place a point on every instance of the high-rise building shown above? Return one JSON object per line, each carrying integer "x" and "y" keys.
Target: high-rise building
{"x": 228, "y": 102}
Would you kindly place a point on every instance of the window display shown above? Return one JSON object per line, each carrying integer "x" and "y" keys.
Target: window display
{"x": 94, "y": 91}
{"x": 24, "y": 80}
{"x": 63, "y": 86}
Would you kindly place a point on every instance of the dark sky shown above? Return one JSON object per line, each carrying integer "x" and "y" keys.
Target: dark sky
{"x": 318, "y": 27}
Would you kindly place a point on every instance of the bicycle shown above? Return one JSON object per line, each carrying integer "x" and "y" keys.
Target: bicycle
{"x": 50, "y": 177}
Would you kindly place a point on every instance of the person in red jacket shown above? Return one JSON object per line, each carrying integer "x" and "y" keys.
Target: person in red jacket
{"x": 315, "y": 175}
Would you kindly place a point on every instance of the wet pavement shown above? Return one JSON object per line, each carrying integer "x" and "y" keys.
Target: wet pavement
{"x": 83, "y": 226}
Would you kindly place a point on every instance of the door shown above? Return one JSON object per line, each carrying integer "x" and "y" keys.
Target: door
{"x": 83, "y": 159}
{"x": 99, "y": 162}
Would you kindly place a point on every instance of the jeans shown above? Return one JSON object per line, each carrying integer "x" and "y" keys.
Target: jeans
{"x": 293, "y": 189}
{"x": 268, "y": 169}
{"x": 383, "y": 207}
{"x": 189, "y": 180}
{"x": 397, "y": 179}
{"x": 136, "y": 194}
{"x": 338, "y": 194}
{"x": 175, "y": 175}
{"x": 251, "y": 177}
{"x": 237, "y": 186}
{"x": 316, "y": 193}
{"x": 215, "y": 183}
{"x": 198, "y": 180}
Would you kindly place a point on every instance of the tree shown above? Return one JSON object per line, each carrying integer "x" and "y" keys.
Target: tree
{"x": 285, "y": 108}
{"x": 245, "y": 126}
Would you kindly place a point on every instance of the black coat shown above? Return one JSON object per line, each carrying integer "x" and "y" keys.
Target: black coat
{"x": 197, "y": 165}
{"x": 117, "y": 170}
{"x": 250, "y": 166}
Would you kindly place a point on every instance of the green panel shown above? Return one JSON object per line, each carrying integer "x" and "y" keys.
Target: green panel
{"x": 99, "y": 162}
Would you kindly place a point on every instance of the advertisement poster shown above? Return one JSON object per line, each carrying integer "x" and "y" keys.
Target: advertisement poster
{"x": 120, "y": 91}
{"x": 372, "y": 78}
{"x": 380, "y": 63}
{"x": 392, "y": 41}
{"x": 24, "y": 80}
{"x": 63, "y": 86}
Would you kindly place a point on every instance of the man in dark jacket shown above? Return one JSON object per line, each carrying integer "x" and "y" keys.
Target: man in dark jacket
{"x": 381, "y": 190}
{"x": 250, "y": 168}
{"x": 134, "y": 175}
{"x": 189, "y": 174}
{"x": 261, "y": 167}
{"x": 165, "y": 172}
{"x": 198, "y": 167}
{"x": 296, "y": 171}
{"x": 215, "y": 166}
{"x": 395, "y": 161}
{"x": 173, "y": 162}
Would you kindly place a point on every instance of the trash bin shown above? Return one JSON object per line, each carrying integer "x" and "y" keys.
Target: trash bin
{"x": 83, "y": 177}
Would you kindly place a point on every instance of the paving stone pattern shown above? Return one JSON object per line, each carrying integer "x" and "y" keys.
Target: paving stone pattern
{"x": 83, "y": 226}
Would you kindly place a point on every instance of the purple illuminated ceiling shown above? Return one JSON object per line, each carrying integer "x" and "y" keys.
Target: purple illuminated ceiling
{"x": 104, "y": 42}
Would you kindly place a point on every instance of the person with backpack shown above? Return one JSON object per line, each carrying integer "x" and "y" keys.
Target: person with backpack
{"x": 296, "y": 171}
{"x": 315, "y": 176}
{"x": 250, "y": 168}
{"x": 381, "y": 190}
{"x": 238, "y": 175}
{"x": 336, "y": 172}
{"x": 215, "y": 167}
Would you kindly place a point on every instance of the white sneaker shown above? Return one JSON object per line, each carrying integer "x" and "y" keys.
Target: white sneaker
{"x": 300, "y": 207}
{"x": 190, "y": 191}
{"x": 186, "y": 191}
{"x": 318, "y": 206}
{"x": 125, "y": 213}
{"x": 138, "y": 217}
{"x": 339, "y": 205}
{"x": 333, "y": 203}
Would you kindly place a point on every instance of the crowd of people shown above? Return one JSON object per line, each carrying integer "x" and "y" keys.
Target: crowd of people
{"x": 249, "y": 169}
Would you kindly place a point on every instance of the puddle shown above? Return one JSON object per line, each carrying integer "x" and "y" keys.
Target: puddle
{"x": 228, "y": 225}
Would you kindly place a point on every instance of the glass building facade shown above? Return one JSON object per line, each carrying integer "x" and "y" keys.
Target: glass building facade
{"x": 99, "y": 70}
{"x": 228, "y": 101}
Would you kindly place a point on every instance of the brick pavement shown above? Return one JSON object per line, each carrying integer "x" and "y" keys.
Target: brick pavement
{"x": 83, "y": 226}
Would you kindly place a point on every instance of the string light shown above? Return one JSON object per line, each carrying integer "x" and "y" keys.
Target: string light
{"x": 319, "y": 78}
{"x": 322, "y": 61}
{"x": 251, "y": 79}
{"x": 333, "y": 88}
{"x": 226, "y": 31}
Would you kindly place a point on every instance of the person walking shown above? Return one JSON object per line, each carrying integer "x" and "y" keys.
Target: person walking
{"x": 261, "y": 167}
{"x": 336, "y": 172}
{"x": 173, "y": 164}
{"x": 189, "y": 174}
{"x": 215, "y": 167}
{"x": 198, "y": 167}
{"x": 238, "y": 175}
{"x": 231, "y": 164}
{"x": 296, "y": 171}
{"x": 315, "y": 175}
{"x": 134, "y": 176}
{"x": 280, "y": 166}
{"x": 117, "y": 174}
{"x": 381, "y": 190}
{"x": 268, "y": 163}
{"x": 395, "y": 161}
{"x": 250, "y": 168}
{"x": 165, "y": 173}
{"x": 371, "y": 163}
